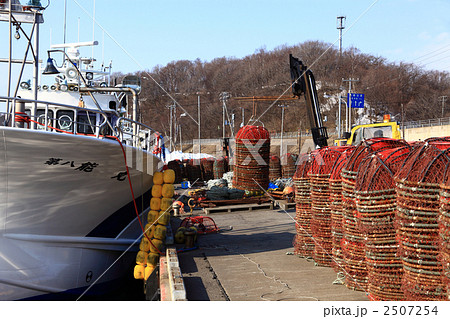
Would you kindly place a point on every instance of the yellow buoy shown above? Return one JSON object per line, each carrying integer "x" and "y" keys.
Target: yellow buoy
{"x": 152, "y": 216}
{"x": 149, "y": 229}
{"x": 139, "y": 272}
{"x": 166, "y": 203}
{"x": 158, "y": 178}
{"x": 157, "y": 245}
{"x": 167, "y": 190}
{"x": 164, "y": 218}
{"x": 157, "y": 191}
{"x": 152, "y": 259}
{"x": 141, "y": 257}
{"x": 160, "y": 232}
{"x": 145, "y": 244}
{"x": 155, "y": 203}
{"x": 169, "y": 176}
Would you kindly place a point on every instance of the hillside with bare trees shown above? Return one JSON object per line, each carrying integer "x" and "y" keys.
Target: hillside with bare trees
{"x": 387, "y": 87}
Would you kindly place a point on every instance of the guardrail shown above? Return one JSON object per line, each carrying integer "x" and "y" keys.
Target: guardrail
{"x": 427, "y": 123}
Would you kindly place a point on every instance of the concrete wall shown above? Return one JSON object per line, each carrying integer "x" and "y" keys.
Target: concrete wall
{"x": 422, "y": 133}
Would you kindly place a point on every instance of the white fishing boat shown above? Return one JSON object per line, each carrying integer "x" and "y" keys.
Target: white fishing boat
{"x": 67, "y": 213}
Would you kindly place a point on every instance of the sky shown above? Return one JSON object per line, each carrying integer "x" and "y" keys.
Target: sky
{"x": 139, "y": 35}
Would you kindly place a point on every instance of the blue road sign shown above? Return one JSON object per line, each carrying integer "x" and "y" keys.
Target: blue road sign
{"x": 355, "y": 100}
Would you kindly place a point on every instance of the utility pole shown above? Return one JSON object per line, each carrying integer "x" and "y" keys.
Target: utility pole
{"x": 198, "y": 115}
{"x": 282, "y": 128}
{"x": 224, "y": 96}
{"x": 403, "y": 121}
{"x": 443, "y": 99}
{"x": 349, "y": 103}
{"x": 339, "y": 119}
{"x": 171, "y": 120}
{"x": 340, "y": 25}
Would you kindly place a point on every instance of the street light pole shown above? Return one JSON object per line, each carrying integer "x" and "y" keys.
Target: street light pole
{"x": 349, "y": 105}
{"x": 341, "y": 98}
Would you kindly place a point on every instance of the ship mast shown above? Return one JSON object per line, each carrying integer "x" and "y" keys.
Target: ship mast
{"x": 15, "y": 14}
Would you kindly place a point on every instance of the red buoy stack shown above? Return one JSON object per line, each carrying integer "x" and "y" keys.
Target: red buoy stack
{"x": 274, "y": 168}
{"x": 376, "y": 205}
{"x": 251, "y": 169}
{"x": 303, "y": 241}
{"x": 353, "y": 242}
{"x": 335, "y": 183}
{"x": 220, "y": 167}
{"x": 207, "y": 168}
{"x": 417, "y": 220}
{"x": 288, "y": 166}
{"x": 319, "y": 175}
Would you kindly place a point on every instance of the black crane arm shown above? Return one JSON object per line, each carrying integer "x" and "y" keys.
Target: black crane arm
{"x": 303, "y": 82}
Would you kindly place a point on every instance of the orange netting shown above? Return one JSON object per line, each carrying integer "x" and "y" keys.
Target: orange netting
{"x": 319, "y": 174}
{"x": 251, "y": 166}
{"x": 416, "y": 219}
{"x": 303, "y": 242}
{"x": 376, "y": 204}
{"x": 220, "y": 167}
{"x": 353, "y": 242}
{"x": 335, "y": 183}
{"x": 288, "y": 166}
{"x": 274, "y": 168}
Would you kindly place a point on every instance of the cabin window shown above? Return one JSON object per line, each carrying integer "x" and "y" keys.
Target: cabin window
{"x": 112, "y": 105}
{"x": 86, "y": 123}
{"x": 40, "y": 116}
{"x": 378, "y": 131}
{"x": 357, "y": 136}
{"x": 64, "y": 120}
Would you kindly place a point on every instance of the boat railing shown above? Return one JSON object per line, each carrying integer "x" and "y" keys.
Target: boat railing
{"x": 129, "y": 132}
{"x": 145, "y": 138}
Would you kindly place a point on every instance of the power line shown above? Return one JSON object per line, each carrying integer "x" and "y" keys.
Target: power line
{"x": 420, "y": 57}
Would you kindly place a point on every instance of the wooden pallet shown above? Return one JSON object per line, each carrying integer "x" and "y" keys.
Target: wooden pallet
{"x": 283, "y": 204}
{"x": 241, "y": 207}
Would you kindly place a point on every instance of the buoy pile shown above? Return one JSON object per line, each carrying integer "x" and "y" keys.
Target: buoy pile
{"x": 416, "y": 220}
{"x": 383, "y": 210}
{"x": 158, "y": 218}
{"x": 288, "y": 165}
{"x": 319, "y": 175}
{"x": 303, "y": 241}
{"x": 444, "y": 232}
{"x": 353, "y": 242}
{"x": 274, "y": 168}
{"x": 335, "y": 184}
{"x": 207, "y": 168}
{"x": 220, "y": 167}
{"x": 193, "y": 170}
{"x": 251, "y": 169}
{"x": 376, "y": 205}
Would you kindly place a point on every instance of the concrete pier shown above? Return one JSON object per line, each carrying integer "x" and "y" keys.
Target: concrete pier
{"x": 252, "y": 262}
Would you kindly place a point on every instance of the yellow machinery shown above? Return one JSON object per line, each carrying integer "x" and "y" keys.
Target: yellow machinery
{"x": 366, "y": 131}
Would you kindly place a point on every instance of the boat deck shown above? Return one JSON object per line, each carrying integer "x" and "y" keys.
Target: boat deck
{"x": 250, "y": 263}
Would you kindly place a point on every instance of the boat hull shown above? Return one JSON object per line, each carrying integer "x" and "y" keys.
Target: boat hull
{"x": 67, "y": 218}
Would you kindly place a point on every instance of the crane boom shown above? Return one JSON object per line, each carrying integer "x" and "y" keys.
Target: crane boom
{"x": 303, "y": 82}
